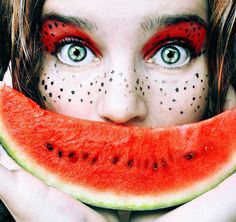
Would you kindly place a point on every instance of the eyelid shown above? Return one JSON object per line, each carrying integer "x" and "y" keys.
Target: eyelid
{"x": 54, "y": 31}
{"x": 179, "y": 42}
{"x": 73, "y": 40}
{"x": 192, "y": 33}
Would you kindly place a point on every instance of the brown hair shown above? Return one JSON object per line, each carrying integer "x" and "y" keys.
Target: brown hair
{"x": 221, "y": 53}
{"x": 25, "y": 53}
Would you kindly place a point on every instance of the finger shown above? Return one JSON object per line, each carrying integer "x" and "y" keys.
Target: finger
{"x": 218, "y": 205}
{"x": 7, "y": 161}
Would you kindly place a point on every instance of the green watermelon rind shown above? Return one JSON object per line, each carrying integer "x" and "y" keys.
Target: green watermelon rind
{"x": 111, "y": 200}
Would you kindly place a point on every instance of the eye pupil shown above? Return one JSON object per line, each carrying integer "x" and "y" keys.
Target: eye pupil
{"x": 170, "y": 55}
{"x": 77, "y": 53}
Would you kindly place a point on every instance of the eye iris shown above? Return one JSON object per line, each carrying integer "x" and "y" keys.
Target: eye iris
{"x": 77, "y": 53}
{"x": 170, "y": 55}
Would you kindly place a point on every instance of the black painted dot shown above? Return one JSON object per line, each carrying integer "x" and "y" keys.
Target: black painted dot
{"x": 198, "y": 107}
{"x": 110, "y": 79}
{"x": 181, "y": 112}
{"x": 105, "y": 91}
{"x": 143, "y": 93}
{"x": 50, "y": 94}
{"x": 177, "y": 89}
{"x": 56, "y": 24}
{"x": 194, "y": 98}
{"x": 45, "y": 87}
{"x": 136, "y": 88}
{"x": 146, "y": 77}
{"x": 102, "y": 84}
{"x": 52, "y": 83}
{"x": 91, "y": 102}
{"x": 193, "y": 87}
{"x": 91, "y": 84}
{"x": 173, "y": 100}
{"x": 72, "y": 92}
{"x": 203, "y": 89}
{"x": 112, "y": 71}
{"x": 44, "y": 98}
{"x": 61, "y": 89}
{"x": 43, "y": 82}
{"x": 141, "y": 89}
{"x": 148, "y": 87}
{"x": 161, "y": 89}
{"x": 59, "y": 96}
{"x": 170, "y": 108}
{"x": 185, "y": 88}
{"x": 161, "y": 102}
{"x": 127, "y": 85}
{"x": 69, "y": 100}
{"x": 99, "y": 90}
{"x": 81, "y": 100}
{"x": 88, "y": 93}
{"x": 201, "y": 80}
{"x": 137, "y": 81}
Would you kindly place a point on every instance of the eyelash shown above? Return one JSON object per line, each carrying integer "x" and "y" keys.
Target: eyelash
{"x": 71, "y": 40}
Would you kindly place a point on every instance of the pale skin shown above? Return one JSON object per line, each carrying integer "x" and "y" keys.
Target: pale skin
{"x": 119, "y": 85}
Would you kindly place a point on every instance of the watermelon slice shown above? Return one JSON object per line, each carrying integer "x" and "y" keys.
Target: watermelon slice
{"x": 114, "y": 166}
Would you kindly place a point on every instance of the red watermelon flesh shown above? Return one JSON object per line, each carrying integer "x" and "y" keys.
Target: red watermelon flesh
{"x": 115, "y": 166}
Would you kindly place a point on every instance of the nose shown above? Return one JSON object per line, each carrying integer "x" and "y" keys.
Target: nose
{"x": 121, "y": 103}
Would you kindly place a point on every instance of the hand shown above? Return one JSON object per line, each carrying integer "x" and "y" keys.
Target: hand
{"x": 30, "y": 200}
{"x": 218, "y": 205}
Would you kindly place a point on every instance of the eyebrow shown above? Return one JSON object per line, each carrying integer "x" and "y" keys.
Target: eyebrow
{"x": 81, "y": 23}
{"x": 152, "y": 23}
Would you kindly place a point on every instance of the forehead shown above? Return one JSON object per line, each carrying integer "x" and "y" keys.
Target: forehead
{"x": 129, "y": 10}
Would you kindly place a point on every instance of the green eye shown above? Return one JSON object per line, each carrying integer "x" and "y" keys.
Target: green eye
{"x": 77, "y": 53}
{"x": 170, "y": 55}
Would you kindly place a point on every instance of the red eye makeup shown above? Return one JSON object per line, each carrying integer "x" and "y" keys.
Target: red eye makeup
{"x": 55, "y": 33}
{"x": 186, "y": 34}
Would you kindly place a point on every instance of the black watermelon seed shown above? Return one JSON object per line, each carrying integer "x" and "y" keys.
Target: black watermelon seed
{"x": 50, "y": 26}
{"x": 71, "y": 154}
{"x": 115, "y": 160}
{"x": 94, "y": 160}
{"x": 60, "y": 153}
{"x": 189, "y": 156}
{"x": 49, "y": 146}
{"x": 130, "y": 163}
{"x": 155, "y": 166}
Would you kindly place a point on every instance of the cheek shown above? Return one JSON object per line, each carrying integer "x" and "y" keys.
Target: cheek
{"x": 179, "y": 99}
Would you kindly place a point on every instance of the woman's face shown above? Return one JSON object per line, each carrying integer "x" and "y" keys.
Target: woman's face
{"x": 129, "y": 62}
